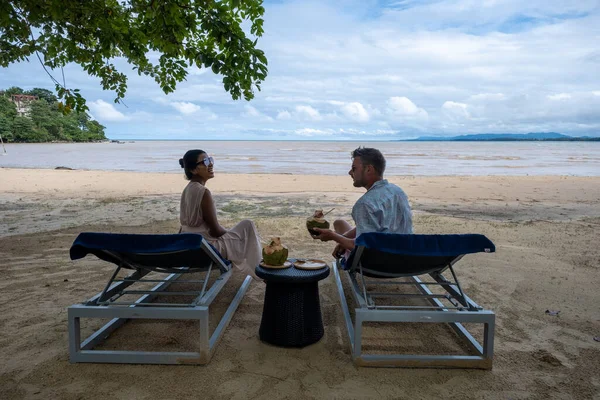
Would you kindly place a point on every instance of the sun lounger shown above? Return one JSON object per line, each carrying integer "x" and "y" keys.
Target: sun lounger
{"x": 150, "y": 258}
{"x": 379, "y": 260}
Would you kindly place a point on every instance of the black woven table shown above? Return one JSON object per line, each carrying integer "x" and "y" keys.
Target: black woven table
{"x": 292, "y": 310}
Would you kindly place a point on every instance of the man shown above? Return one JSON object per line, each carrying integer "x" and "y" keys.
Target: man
{"x": 384, "y": 208}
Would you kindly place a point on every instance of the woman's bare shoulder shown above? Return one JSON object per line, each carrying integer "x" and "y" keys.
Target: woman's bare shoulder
{"x": 196, "y": 186}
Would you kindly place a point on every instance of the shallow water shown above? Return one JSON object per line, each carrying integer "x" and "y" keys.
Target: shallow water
{"x": 321, "y": 158}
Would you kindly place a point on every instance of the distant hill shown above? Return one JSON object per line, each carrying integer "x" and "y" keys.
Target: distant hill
{"x": 503, "y": 137}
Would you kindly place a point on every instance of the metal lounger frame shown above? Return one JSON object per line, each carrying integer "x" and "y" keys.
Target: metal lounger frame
{"x": 105, "y": 305}
{"x": 464, "y": 310}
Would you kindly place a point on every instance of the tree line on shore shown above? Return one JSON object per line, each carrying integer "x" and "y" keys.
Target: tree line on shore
{"x": 44, "y": 121}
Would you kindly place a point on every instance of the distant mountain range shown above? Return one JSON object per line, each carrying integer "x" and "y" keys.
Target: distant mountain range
{"x": 504, "y": 137}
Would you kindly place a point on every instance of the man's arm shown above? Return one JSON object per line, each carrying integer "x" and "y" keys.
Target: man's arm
{"x": 326, "y": 235}
{"x": 368, "y": 218}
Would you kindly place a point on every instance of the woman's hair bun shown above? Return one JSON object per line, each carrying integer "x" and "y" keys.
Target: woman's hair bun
{"x": 181, "y": 163}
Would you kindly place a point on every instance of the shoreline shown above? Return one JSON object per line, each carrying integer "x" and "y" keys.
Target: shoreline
{"x": 17, "y": 179}
{"x": 441, "y": 139}
{"x": 387, "y": 176}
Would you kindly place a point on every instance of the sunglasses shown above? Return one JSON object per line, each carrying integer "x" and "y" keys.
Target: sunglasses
{"x": 207, "y": 161}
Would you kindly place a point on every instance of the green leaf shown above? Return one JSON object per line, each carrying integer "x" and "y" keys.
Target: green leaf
{"x": 181, "y": 32}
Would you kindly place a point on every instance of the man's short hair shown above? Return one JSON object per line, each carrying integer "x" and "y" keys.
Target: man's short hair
{"x": 370, "y": 156}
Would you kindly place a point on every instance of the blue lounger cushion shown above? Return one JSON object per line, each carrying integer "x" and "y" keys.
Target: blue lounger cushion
{"x": 154, "y": 252}
{"x": 389, "y": 255}
{"x": 426, "y": 245}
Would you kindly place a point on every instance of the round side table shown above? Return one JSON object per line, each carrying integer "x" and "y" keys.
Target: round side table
{"x": 292, "y": 310}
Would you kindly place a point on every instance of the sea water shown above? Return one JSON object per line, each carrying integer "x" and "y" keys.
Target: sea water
{"x": 318, "y": 157}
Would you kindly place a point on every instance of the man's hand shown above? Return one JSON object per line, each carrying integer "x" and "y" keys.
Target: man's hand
{"x": 325, "y": 235}
{"x": 338, "y": 252}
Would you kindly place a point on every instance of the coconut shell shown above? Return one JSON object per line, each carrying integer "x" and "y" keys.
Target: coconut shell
{"x": 316, "y": 223}
{"x": 278, "y": 257}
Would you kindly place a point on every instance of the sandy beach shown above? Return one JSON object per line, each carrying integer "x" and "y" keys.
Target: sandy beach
{"x": 546, "y": 230}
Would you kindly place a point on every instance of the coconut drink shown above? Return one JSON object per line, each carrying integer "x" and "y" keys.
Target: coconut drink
{"x": 274, "y": 253}
{"x": 317, "y": 221}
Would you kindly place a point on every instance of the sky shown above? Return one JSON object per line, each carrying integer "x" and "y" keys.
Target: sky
{"x": 378, "y": 70}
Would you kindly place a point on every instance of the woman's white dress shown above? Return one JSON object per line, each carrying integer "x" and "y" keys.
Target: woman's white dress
{"x": 240, "y": 244}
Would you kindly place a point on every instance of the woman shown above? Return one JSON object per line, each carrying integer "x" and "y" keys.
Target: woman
{"x": 198, "y": 214}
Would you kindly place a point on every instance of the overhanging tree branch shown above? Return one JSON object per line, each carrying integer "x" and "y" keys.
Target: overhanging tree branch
{"x": 207, "y": 34}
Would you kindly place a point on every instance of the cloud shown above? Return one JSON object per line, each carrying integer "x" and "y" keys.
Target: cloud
{"x": 201, "y": 88}
{"x": 310, "y": 132}
{"x": 307, "y": 112}
{"x": 404, "y": 66}
{"x": 185, "y": 107}
{"x": 351, "y": 112}
{"x": 252, "y": 112}
{"x": 104, "y": 111}
{"x": 342, "y": 133}
{"x": 482, "y": 97}
{"x": 196, "y": 71}
{"x": 355, "y": 112}
{"x": 559, "y": 96}
{"x": 453, "y": 109}
{"x": 404, "y": 107}
{"x": 284, "y": 115}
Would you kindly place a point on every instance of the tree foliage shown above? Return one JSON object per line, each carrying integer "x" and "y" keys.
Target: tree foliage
{"x": 45, "y": 121}
{"x": 160, "y": 38}
{"x": 44, "y": 94}
{"x": 13, "y": 90}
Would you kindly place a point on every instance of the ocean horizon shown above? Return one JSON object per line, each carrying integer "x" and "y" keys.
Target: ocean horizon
{"x": 316, "y": 157}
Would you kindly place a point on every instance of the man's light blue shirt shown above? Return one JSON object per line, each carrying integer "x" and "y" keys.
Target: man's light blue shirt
{"x": 384, "y": 208}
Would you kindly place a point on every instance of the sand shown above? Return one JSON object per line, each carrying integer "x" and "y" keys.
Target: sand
{"x": 546, "y": 230}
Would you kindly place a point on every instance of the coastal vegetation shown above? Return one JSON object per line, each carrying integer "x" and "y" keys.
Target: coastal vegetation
{"x": 159, "y": 39}
{"x": 35, "y": 116}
